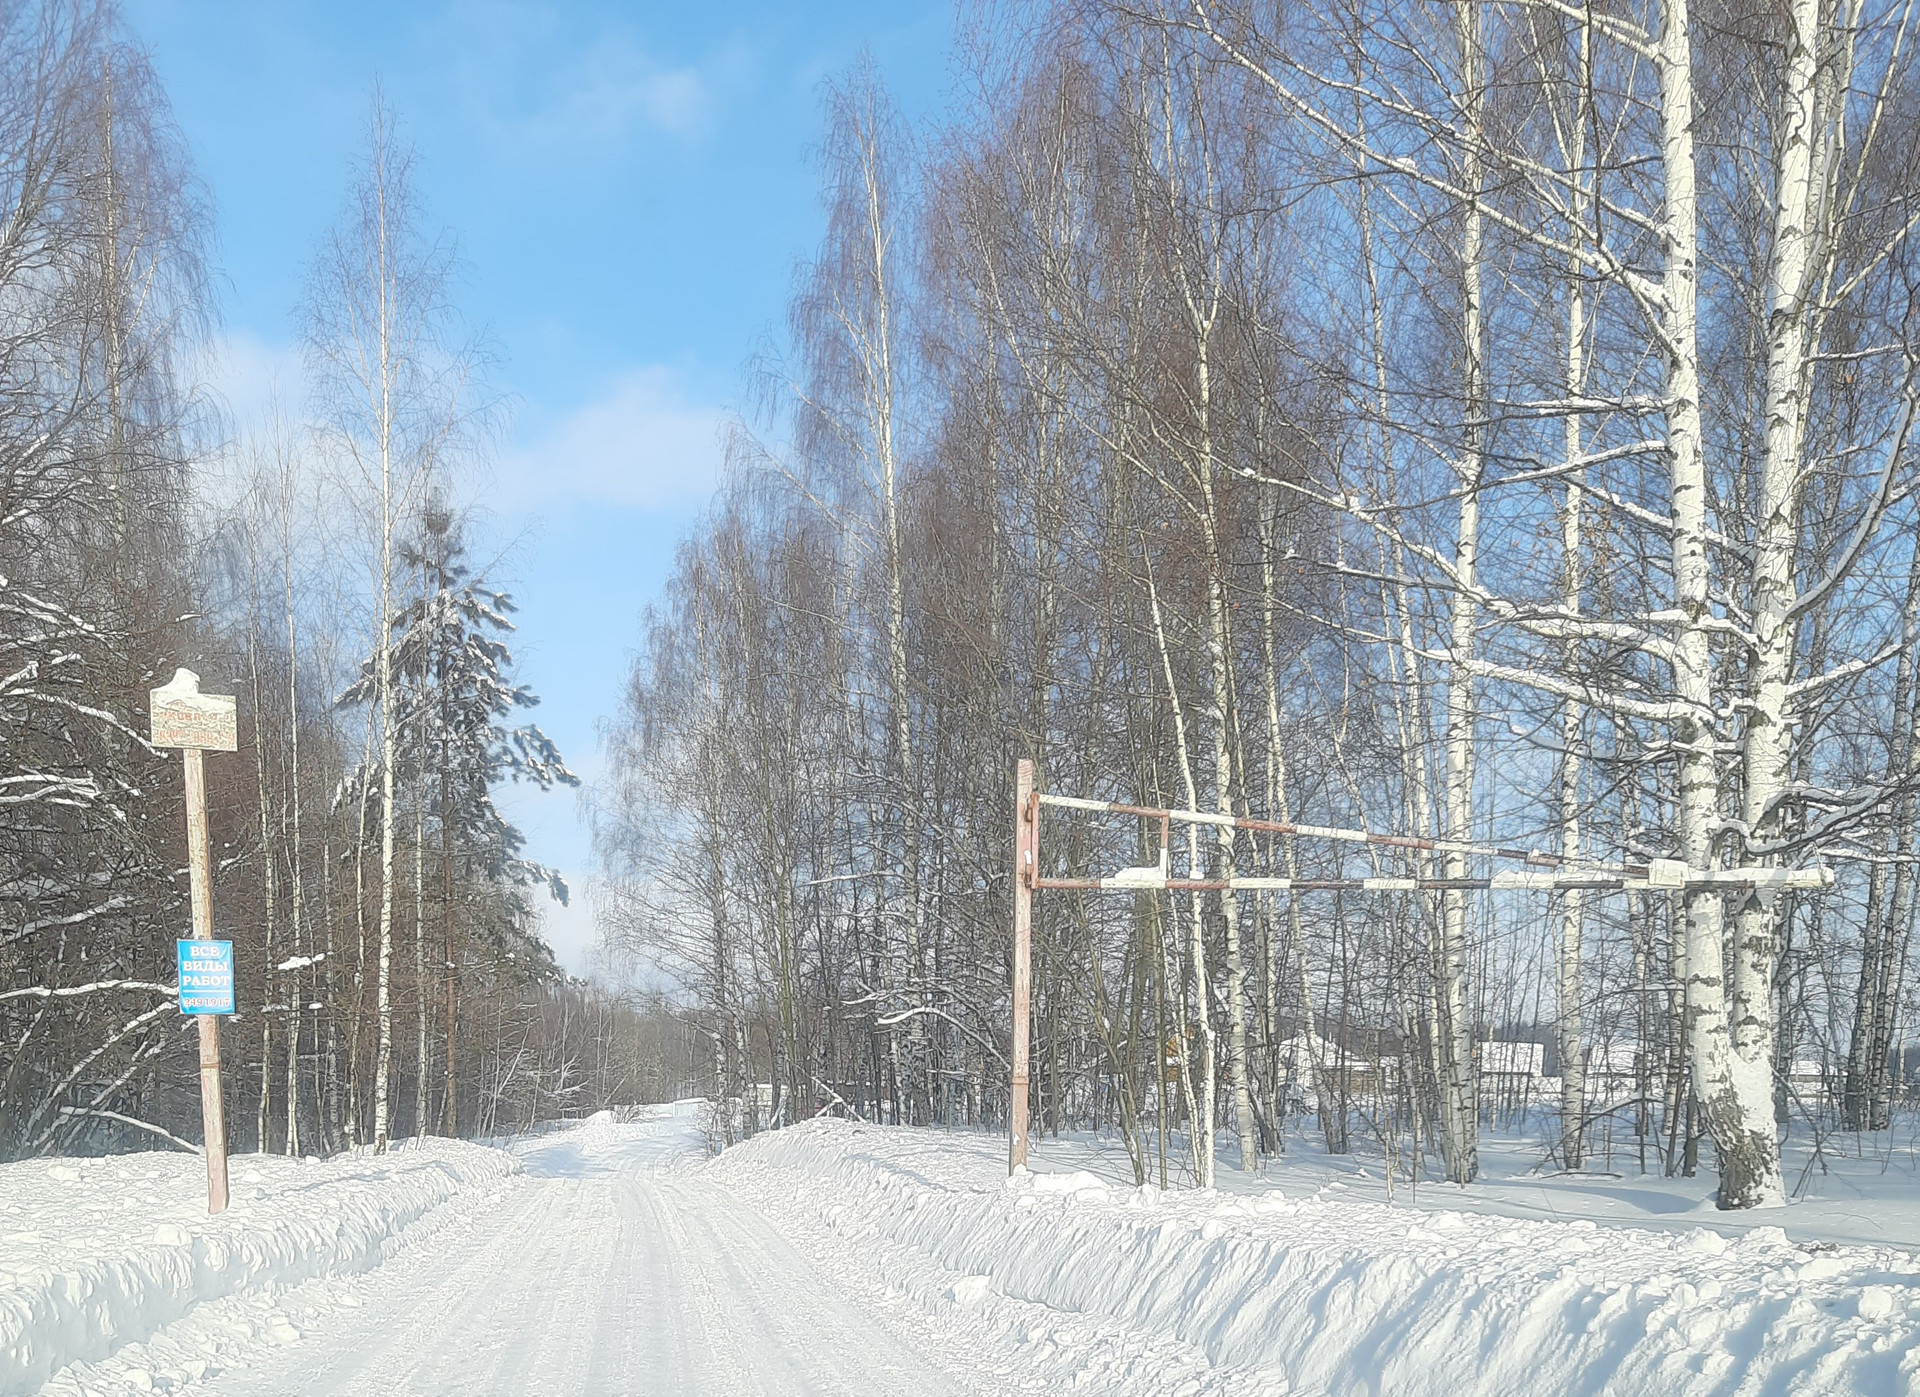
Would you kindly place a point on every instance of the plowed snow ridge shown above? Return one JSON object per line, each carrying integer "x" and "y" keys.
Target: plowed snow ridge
{"x": 1325, "y": 1294}
{"x": 839, "y": 1257}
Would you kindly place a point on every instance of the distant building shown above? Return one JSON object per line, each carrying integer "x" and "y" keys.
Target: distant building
{"x": 1507, "y": 1059}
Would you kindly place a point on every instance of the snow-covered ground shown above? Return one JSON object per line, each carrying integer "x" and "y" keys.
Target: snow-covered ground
{"x": 838, "y": 1257}
{"x": 94, "y": 1252}
{"x": 598, "y": 1259}
{"x": 1856, "y": 1189}
{"x": 1305, "y": 1281}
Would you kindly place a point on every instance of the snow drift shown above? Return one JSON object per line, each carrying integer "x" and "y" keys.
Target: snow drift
{"x": 97, "y": 1253}
{"x": 1333, "y": 1294}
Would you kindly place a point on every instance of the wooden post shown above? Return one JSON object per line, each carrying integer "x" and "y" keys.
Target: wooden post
{"x": 213, "y": 1114}
{"x": 1025, "y": 848}
{"x": 181, "y": 716}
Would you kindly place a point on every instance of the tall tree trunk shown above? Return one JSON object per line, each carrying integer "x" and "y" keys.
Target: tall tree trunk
{"x": 1747, "y": 1173}
{"x": 355, "y": 1099}
{"x": 270, "y": 883}
{"x": 1333, "y": 1125}
{"x": 1889, "y": 910}
{"x": 383, "y": 654}
{"x": 293, "y": 804}
{"x": 422, "y": 994}
{"x": 1749, "y": 1155}
{"x": 1460, "y": 1116}
{"x": 1569, "y": 1030}
{"x": 1201, "y": 1101}
{"x": 449, "y": 965}
{"x": 1220, "y": 718}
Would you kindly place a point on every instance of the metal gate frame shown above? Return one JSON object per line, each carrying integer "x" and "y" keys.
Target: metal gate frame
{"x": 1543, "y": 872}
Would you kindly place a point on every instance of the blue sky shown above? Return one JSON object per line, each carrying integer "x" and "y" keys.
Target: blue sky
{"x": 630, "y": 189}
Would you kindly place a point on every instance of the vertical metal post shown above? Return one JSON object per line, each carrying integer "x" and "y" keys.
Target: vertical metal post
{"x": 200, "y": 882}
{"x": 1025, "y": 848}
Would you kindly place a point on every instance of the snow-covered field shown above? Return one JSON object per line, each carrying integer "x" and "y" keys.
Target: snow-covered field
{"x": 839, "y": 1257}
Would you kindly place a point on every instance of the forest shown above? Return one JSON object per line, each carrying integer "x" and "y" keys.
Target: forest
{"x": 319, "y": 566}
{"x": 1484, "y": 424}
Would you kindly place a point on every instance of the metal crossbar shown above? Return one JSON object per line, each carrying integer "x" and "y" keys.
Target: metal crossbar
{"x": 1546, "y": 872}
{"x": 1542, "y": 872}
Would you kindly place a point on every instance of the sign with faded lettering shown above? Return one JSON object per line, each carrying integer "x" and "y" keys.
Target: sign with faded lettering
{"x": 206, "y": 976}
{"x": 184, "y": 717}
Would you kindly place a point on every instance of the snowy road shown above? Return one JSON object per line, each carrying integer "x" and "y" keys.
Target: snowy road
{"x": 608, "y": 1270}
{"x": 835, "y": 1257}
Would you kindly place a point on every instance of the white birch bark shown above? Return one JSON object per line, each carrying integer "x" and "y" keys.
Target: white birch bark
{"x": 270, "y": 889}
{"x": 1750, "y": 1161}
{"x": 420, "y": 992}
{"x": 1200, "y": 1101}
{"x": 383, "y": 405}
{"x": 1570, "y": 1043}
{"x": 1219, "y": 648}
{"x": 1570, "y": 1040}
{"x": 1202, "y": 292}
{"x": 363, "y": 798}
{"x": 1709, "y": 1046}
{"x": 1460, "y": 1114}
{"x": 881, "y": 391}
{"x": 294, "y": 803}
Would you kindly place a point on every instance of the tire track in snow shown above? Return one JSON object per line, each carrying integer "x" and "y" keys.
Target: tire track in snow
{"x": 822, "y": 1341}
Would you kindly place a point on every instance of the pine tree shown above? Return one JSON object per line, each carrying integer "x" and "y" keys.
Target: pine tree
{"x": 456, "y": 693}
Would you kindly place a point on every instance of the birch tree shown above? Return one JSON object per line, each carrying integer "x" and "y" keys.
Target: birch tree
{"x": 390, "y": 380}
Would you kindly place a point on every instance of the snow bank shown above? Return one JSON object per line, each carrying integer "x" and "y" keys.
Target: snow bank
{"x": 96, "y": 1253}
{"x": 1329, "y": 1293}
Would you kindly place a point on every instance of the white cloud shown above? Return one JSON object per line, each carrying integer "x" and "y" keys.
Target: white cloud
{"x": 545, "y": 85}
{"x": 643, "y": 443}
{"x": 681, "y": 100}
{"x": 247, "y": 375}
{"x": 616, "y": 85}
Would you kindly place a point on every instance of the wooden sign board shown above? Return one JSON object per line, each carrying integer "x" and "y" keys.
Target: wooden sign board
{"x": 182, "y": 716}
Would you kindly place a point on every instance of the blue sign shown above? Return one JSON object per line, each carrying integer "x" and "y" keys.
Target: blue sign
{"x": 206, "y": 976}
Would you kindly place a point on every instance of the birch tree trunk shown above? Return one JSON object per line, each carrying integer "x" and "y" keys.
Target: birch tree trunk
{"x": 1889, "y": 899}
{"x": 1570, "y": 1039}
{"x": 1750, "y": 1161}
{"x": 1747, "y": 1173}
{"x": 1333, "y": 1125}
{"x": 449, "y": 965}
{"x": 1460, "y": 1116}
{"x": 269, "y": 880}
{"x": 294, "y": 803}
{"x": 363, "y": 798}
{"x": 383, "y": 652}
{"x": 421, "y": 994}
{"x": 1201, "y": 1101}
{"x": 1219, "y": 648}
{"x": 394, "y": 393}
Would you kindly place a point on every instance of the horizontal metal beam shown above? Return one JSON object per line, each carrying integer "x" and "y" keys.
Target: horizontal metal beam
{"x": 1533, "y": 857}
{"x": 1131, "y": 880}
{"x": 1547, "y": 872}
